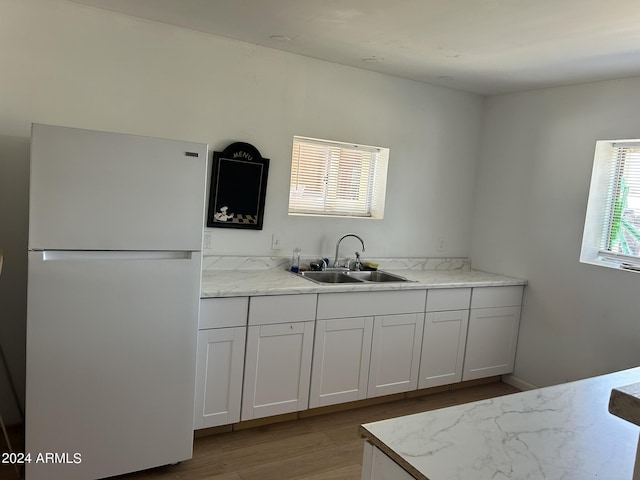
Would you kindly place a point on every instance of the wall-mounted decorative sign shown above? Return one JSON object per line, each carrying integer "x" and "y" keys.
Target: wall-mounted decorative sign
{"x": 238, "y": 187}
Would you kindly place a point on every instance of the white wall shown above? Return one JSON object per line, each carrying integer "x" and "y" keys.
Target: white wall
{"x": 533, "y": 182}
{"x": 77, "y": 66}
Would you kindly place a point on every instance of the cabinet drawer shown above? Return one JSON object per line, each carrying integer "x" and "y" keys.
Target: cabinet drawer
{"x": 362, "y": 304}
{"x": 223, "y": 312}
{"x": 486, "y": 297}
{"x": 442, "y": 299}
{"x": 282, "y": 309}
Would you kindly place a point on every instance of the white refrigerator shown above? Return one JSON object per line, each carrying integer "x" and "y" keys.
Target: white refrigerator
{"x": 115, "y": 236}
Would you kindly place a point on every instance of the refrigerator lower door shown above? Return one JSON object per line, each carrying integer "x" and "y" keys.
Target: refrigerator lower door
{"x": 111, "y": 339}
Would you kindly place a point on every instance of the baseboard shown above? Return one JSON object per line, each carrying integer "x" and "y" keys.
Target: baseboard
{"x": 341, "y": 407}
{"x": 518, "y": 383}
{"x": 205, "y": 432}
{"x": 260, "y": 422}
{"x": 475, "y": 382}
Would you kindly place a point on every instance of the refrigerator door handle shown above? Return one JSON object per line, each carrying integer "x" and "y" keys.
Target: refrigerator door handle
{"x": 70, "y": 255}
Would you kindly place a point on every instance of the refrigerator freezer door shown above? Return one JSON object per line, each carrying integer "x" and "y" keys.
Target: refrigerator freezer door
{"x": 106, "y": 191}
{"x": 111, "y": 342}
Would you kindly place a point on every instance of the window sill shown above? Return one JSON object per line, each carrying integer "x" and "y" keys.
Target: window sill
{"x": 610, "y": 263}
{"x": 371, "y": 217}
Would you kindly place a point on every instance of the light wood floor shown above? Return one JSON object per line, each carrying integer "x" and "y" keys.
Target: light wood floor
{"x": 325, "y": 447}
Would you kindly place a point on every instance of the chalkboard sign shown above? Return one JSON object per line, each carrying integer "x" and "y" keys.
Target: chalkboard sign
{"x": 238, "y": 187}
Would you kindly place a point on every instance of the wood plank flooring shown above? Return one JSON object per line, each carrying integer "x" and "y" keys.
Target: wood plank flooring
{"x": 325, "y": 447}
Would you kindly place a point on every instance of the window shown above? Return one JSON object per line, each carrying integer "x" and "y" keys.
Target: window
{"x": 337, "y": 179}
{"x": 612, "y": 226}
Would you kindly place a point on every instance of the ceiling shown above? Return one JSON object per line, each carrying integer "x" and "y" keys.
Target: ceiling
{"x": 481, "y": 46}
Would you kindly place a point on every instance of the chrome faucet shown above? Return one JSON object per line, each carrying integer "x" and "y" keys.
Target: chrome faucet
{"x": 335, "y": 262}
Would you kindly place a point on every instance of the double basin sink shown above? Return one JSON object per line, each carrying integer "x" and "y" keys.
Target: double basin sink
{"x": 347, "y": 276}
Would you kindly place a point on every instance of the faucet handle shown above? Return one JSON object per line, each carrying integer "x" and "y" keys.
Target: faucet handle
{"x": 356, "y": 264}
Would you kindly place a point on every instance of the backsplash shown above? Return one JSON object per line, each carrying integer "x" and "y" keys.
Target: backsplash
{"x": 217, "y": 262}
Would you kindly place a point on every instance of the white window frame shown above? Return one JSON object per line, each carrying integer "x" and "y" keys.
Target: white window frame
{"x": 337, "y": 179}
{"x": 605, "y": 184}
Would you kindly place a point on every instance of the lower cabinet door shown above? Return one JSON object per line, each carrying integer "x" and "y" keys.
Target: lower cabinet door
{"x": 491, "y": 342}
{"x": 341, "y": 356}
{"x": 277, "y": 369}
{"x": 443, "y": 346}
{"x": 219, "y": 367}
{"x": 395, "y": 354}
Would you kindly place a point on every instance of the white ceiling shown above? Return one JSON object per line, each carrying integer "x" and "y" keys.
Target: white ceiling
{"x": 482, "y": 46}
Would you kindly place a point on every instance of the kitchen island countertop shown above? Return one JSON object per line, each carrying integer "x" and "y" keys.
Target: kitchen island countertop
{"x": 625, "y": 403}
{"x": 560, "y": 432}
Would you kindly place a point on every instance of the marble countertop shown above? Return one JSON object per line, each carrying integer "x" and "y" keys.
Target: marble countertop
{"x": 273, "y": 281}
{"x": 625, "y": 403}
{"x": 560, "y": 432}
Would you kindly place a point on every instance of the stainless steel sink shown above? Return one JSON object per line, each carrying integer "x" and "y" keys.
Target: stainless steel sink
{"x": 377, "y": 276}
{"x": 345, "y": 276}
{"x": 329, "y": 277}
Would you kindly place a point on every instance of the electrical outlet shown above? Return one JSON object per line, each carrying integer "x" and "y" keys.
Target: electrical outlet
{"x": 276, "y": 241}
{"x": 206, "y": 241}
{"x": 442, "y": 244}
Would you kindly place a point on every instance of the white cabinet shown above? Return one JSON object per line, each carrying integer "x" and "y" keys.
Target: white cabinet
{"x": 364, "y": 304}
{"x": 445, "y": 335}
{"x": 341, "y": 360}
{"x": 219, "y": 371}
{"x": 219, "y": 361}
{"x": 395, "y": 354}
{"x": 493, "y": 331}
{"x": 278, "y": 355}
{"x": 353, "y": 359}
{"x": 270, "y": 355}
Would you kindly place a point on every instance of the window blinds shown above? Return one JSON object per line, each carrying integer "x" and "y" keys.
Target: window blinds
{"x": 621, "y": 224}
{"x": 332, "y": 178}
